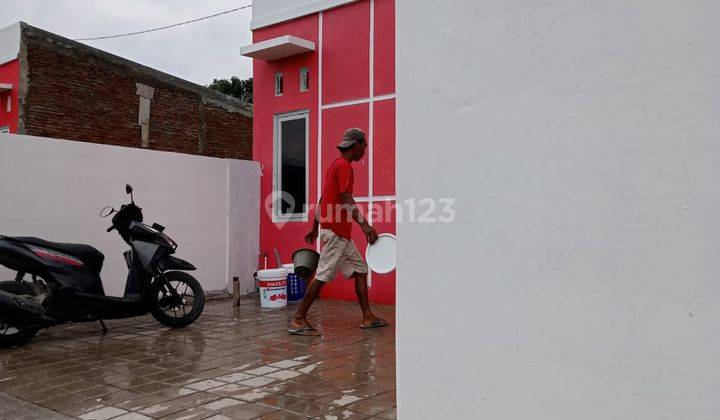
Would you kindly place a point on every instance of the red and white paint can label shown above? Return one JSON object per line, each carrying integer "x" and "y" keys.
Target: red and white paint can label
{"x": 273, "y": 293}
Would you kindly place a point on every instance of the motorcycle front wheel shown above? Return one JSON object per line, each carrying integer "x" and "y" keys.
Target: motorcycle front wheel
{"x": 15, "y": 335}
{"x": 180, "y": 306}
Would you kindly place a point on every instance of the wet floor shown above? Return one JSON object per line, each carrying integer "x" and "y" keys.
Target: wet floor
{"x": 236, "y": 363}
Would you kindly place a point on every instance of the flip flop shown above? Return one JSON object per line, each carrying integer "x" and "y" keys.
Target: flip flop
{"x": 305, "y": 332}
{"x": 375, "y": 324}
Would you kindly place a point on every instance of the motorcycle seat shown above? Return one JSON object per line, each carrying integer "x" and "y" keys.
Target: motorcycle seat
{"x": 90, "y": 256}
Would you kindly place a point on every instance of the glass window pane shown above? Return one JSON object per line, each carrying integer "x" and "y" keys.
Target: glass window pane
{"x": 293, "y": 165}
{"x": 304, "y": 79}
{"x": 278, "y": 84}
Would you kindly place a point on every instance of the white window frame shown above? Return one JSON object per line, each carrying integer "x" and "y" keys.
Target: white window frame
{"x": 277, "y": 166}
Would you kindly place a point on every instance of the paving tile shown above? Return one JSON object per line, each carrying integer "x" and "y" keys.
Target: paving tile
{"x": 389, "y": 396}
{"x": 98, "y": 391}
{"x": 63, "y": 400}
{"x": 286, "y": 364}
{"x": 142, "y": 401}
{"x": 253, "y": 395}
{"x": 234, "y": 377}
{"x": 204, "y": 385}
{"x": 77, "y": 386}
{"x": 247, "y": 411}
{"x": 280, "y": 400}
{"x": 371, "y": 407}
{"x": 311, "y": 408}
{"x": 104, "y": 413}
{"x": 173, "y": 406}
{"x": 262, "y": 370}
{"x": 392, "y": 414}
{"x": 343, "y": 399}
{"x": 309, "y": 392}
{"x": 257, "y": 382}
{"x": 132, "y": 416}
{"x": 318, "y": 410}
{"x": 283, "y": 375}
{"x": 283, "y": 415}
{"x": 229, "y": 390}
{"x": 222, "y": 404}
{"x": 231, "y": 354}
{"x": 81, "y": 407}
{"x": 193, "y": 413}
{"x": 308, "y": 368}
{"x": 14, "y": 383}
{"x": 117, "y": 397}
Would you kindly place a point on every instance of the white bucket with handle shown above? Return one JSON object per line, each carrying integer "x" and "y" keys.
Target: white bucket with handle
{"x": 273, "y": 288}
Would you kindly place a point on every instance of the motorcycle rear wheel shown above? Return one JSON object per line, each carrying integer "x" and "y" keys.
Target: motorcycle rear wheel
{"x": 180, "y": 311}
{"x": 14, "y": 335}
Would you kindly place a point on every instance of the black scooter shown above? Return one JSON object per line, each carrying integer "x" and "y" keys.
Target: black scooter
{"x": 65, "y": 284}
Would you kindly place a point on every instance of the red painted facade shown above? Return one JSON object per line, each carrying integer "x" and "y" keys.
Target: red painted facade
{"x": 357, "y": 90}
{"x": 9, "y": 74}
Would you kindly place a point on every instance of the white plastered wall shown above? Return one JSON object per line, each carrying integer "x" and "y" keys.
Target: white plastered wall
{"x": 54, "y": 189}
{"x": 581, "y": 141}
{"x": 270, "y": 12}
{"x": 9, "y": 42}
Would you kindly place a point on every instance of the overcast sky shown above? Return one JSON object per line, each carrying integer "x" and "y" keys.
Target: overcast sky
{"x": 198, "y": 52}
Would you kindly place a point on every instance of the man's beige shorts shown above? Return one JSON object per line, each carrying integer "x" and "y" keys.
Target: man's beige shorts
{"x": 338, "y": 253}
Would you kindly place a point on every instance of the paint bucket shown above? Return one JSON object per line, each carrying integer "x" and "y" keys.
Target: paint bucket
{"x": 273, "y": 288}
{"x": 295, "y": 284}
{"x": 306, "y": 262}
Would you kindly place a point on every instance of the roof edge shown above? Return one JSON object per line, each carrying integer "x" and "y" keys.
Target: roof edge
{"x": 296, "y": 12}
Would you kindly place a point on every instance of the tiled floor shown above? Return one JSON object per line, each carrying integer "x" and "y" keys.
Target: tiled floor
{"x": 235, "y": 363}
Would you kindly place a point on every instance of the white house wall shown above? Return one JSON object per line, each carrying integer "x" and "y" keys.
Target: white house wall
{"x": 581, "y": 141}
{"x": 244, "y": 221}
{"x": 9, "y": 42}
{"x": 54, "y": 189}
{"x": 271, "y": 12}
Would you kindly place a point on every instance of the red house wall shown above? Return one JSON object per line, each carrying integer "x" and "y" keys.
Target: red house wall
{"x": 357, "y": 90}
{"x": 289, "y": 236}
{"x": 10, "y": 73}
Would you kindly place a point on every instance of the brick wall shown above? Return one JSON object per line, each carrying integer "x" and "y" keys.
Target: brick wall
{"x": 79, "y": 93}
{"x": 221, "y": 139}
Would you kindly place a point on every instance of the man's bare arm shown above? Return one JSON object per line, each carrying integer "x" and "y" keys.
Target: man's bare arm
{"x": 349, "y": 202}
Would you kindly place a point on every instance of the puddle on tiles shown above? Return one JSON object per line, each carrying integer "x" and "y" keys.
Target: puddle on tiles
{"x": 253, "y": 395}
{"x": 309, "y": 368}
{"x": 346, "y": 399}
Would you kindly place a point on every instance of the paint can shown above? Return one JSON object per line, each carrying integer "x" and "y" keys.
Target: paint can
{"x": 273, "y": 288}
{"x": 295, "y": 284}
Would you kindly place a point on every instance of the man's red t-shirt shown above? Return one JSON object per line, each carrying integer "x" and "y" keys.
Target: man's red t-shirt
{"x": 339, "y": 179}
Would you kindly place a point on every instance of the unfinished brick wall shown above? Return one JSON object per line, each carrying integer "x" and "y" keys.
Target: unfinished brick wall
{"x": 78, "y": 93}
{"x": 220, "y": 141}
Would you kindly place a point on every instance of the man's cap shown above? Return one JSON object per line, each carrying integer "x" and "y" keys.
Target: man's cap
{"x": 351, "y": 136}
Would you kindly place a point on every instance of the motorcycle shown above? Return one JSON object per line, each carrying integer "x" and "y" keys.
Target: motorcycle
{"x": 65, "y": 284}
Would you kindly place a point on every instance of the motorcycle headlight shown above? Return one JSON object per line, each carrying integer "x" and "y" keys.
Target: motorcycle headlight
{"x": 169, "y": 240}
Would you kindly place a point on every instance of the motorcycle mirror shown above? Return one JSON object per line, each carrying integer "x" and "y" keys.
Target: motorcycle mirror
{"x": 129, "y": 190}
{"x": 107, "y": 211}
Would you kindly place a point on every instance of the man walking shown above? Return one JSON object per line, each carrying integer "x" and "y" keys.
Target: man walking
{"x": 334, "y": 216}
